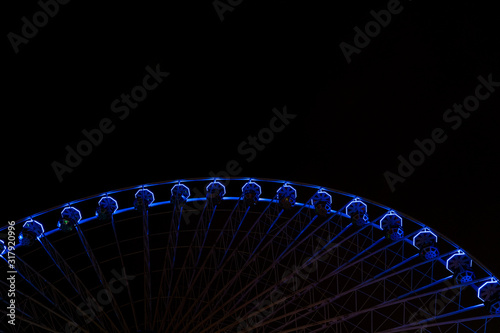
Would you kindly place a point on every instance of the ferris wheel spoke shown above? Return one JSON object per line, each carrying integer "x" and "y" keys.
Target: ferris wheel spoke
{"x": 167, "y": 275}
{"x": 54, "y": 296}
{"x": 223, "y": 291}
{"x": 245, "y": 263}
{"x": 31, "y": 311}
{"x": 72, "y": 278}
{"x": 100, "y": 275}
{"x": 362, "y": 255}
{"x": 297, "y": 243}
{"x": 64, "y": 267}
{"x": 202, "y": 246}
{"x": 285, "y": 278}
{"x": 288, "y": 249}
{"x": 129, "y": 292}
{"x": 360, "y": 286}
{"x": 452, "y": 323}
{"x": 249, "y": 260}
{"x": 229, "y": 245}
{"x": 198, "y": 242}
{"x": 221, "y": 265}
{"x": 163, "y": 300}
{"x": 399, "y": 301}
{"x": 147, "y": 268}
{"x": 183, "y": 301}
{"x": 368, "y": 283}
{"x": 314, "y": 306}
{"x": 231, "y": 228}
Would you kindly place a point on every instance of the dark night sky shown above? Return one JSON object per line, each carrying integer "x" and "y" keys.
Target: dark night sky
{"x": 352, "y": 120}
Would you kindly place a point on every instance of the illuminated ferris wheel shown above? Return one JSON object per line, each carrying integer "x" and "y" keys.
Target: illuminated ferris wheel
{"x": 239, "y": 255}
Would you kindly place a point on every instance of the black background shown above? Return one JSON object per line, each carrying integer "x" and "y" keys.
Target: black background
{"x": 352, "y": 120}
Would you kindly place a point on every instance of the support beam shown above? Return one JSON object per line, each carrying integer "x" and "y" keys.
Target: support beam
{"x": 33, "y": 312}
{"x": 55, "y": 297}
{"x": 122, "y": 262}
{"x": 73, "y": 279}
{"x": 251, "y": 259}
{"x": 102, "y": 278}
{"x": 147, "y": 270}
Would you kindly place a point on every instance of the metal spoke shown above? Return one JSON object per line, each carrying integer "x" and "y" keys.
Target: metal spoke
{"x": 255, "y": 255}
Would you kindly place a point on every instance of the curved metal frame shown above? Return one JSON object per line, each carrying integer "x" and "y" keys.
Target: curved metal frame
{"x": 252, "y": 267}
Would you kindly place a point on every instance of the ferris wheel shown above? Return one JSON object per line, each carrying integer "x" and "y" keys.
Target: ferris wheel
{"x": 238, "y": 255}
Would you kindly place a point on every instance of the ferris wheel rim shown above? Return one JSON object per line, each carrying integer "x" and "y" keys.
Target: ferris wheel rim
{"x": 254, "y": 179}
{"x": 307, "y": 203}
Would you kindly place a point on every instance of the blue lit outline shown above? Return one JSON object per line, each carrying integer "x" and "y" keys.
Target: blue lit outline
{"x": 391, "y": 213}
{"x": 181, "y": 186}
{"x": 215, "y": 182}
{"x": 395, "y": 236}
{"x": 147, "y": 191}
{"x": 35, "y": 222}
{"x": 77, "y": 212}
{"x": 205, "y": 179}
{"x": 4, "y": 247}
{"x": 357, "y": 200}
{"x": 285, "y": 187}
{"x": 492, "y": 280}
{"x": 427, "y": 231}
{"x": 287, "y": 190}
{"x": 320, "y": 195}
{"x": 354, "y": 201}
{"x": 459, "y": 253}
{"x": 109, "y": 198}
{"x": 251, "y": 183}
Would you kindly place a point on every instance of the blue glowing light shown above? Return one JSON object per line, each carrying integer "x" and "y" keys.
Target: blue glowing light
{"x": 34, "y": 226}
{"x": 143, "y": 198}
{"x": 31, "y": 230}
{"x": 488, "y": 290}
{"x": 287, "y": 196}
{"x": 495, "y": 308}
{"x": 321, "y": 202}
{"x": 3, "y": 247}
{"x": 395, "y": 233}
{"x": 321, "y": 196}
{"x": 71, "y": 214}
{"x": 180, "y": 193}
{"x": 424, "y": 237}
{"x": 65, "y": 225}
{"x": 215, "y": 189}
{"x": 429, "y": 252}
{"x": 356, "y": 206}
{"x": 252, "y": 187}
{"x": 357, "y": 209}
{"x": 251, "y": 192}
{"x": 215, "y": 192}
{"x": 465, "y": 276}
{"x": 180, "y": 189}
{"x": 457, "y": 261}
{"x": 109, "y": 204}
{"x": 146, "y": 196}
{"x": 391, "y": 220}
